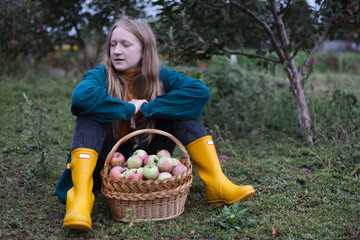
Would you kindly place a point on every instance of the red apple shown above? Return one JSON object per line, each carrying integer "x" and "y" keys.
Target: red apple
{"x": 163, "y": 153}
{"x": 134, "y": 161}
{"x": 353, "y": 7}
{"x": 117, "y": 172}
{"x": 141, "y": 153}
{"x": 164, "y": 175}
{"x": 39, "y": 28}
{"x": 151, "y": 159}
{"x": 165, "y": 164}
{"x": 175, "y": 161}
{"x": 178, "y": 169}
{"x": 117, "y": 160}
{"x": 133, "y": 174}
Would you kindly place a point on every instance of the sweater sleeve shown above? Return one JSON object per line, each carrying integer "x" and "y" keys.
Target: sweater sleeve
{"x": 90, "y": 98}
{"x": 184, "y": 98}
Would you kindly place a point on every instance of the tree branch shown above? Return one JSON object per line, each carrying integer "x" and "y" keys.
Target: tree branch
{"x": 281, "y": 28}
{"x": 315, "y": 48}
{"x": 286, "y": 7}
{"x": 299, "y": 44}
{"x": 251, "y": 55}
{"x": 217, "y": 5}
{"x": 264, "y": 25}
{"x": 260, "y": 21}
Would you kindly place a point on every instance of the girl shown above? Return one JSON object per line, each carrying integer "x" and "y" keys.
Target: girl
{"x": 130, "y": 91}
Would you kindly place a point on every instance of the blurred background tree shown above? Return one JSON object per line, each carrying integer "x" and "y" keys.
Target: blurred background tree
{"x": 22, "y": 33}
{"x": 274, "y": 31}
{"x": 31, "y": 29}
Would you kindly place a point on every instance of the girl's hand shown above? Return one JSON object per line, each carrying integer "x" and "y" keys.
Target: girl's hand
{"x": 138, "y": 103}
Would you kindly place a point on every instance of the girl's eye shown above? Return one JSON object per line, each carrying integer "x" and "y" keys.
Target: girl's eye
{"x": 126, "y": 44}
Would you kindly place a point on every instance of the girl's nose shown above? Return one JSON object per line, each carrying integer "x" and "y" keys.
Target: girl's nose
{"x": 118, "y": 49}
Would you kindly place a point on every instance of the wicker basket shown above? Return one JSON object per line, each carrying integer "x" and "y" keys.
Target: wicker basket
{"x": 153, "y": 200}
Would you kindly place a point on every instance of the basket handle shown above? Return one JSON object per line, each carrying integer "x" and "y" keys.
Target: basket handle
{"x": 139, "y": 132}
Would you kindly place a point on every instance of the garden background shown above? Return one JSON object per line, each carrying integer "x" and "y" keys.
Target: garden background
{"x": 303, "y": 191}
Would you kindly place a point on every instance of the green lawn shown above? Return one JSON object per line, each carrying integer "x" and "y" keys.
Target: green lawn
{"x": 301, "y": 192}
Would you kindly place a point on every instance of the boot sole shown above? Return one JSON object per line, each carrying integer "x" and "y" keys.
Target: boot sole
{"x": 220, "y": 202}
{"x": 78, "y": 225}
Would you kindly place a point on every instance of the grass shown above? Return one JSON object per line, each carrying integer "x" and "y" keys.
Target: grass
{"x": 302, "y": 192}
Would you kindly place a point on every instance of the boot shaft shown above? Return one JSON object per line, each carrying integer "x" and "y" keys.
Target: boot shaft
{"x": 80, "y": 198}
{"x": 218, "y": 188}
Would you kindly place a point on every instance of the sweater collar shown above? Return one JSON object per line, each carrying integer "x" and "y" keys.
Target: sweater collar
{"x": 129, "y": 75}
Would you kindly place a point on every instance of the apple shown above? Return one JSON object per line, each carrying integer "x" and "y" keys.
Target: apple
{"x": 134, "y": 161}
{"x": 133, "y": 174}
{"x": 165, "y": 164}
{"x": 117, "y": 160}
{"x": 150, "y": 172}
{"x": 117, "y": 172}
{"x": 151, "y": 159}
{"x": 178, "y": 169}
{"x": 163, "y": 153}
{"x": 141, "y": 153}
{"x": 175, "y": 161}
{"x": 164, "y": 175}
{"x": 353, "y": 7}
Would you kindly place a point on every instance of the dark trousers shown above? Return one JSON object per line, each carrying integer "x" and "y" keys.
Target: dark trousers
{"x": 89, "y": 133}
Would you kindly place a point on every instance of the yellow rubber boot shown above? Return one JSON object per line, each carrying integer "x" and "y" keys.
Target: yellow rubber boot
{"x": 218, "y": 188}
{"x": 80, "y": 199}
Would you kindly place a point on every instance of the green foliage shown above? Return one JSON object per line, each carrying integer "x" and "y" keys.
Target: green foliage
{"x": 276, "y": 30}
{"x": 337, "y": 118}
{"x": 341, "y": 62}
{"x": 261, "y": 101}
{"x": 31, "y": 29}
{"x": 301, "y": 192}
{"x": 22, "y": 34}
{"x": 253, "y": 102}
{"x": 34, "y": 137}
{"x": 233, "y": 216}
{"x": 205, "y": 28}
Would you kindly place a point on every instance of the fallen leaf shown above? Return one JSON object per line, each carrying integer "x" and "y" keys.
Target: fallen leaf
{"x": 223, "y": 158}
{"x": 274, "y": 231}
{"x": 192, "y": 232}
{"x": 254, "y": 132}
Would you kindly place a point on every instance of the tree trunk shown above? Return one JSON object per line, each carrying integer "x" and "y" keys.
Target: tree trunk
{"x": 86, "y": 62}
{"x": 293, "y": 74}
{"x": 299, "y": 97}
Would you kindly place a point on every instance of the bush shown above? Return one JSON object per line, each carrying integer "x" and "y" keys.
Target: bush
{"x": 342, "y": 62}
{"x": 242, "y": 101}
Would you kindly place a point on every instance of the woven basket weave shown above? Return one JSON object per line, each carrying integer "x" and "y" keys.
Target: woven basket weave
{"x": 153, "y": 200}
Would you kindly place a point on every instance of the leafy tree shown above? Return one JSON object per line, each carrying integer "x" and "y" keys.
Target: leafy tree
{"x": 33, "y": 27}
{"x": 77, "y": 22}
{"x": 21, "y": 32}
{"x": 278, "y": 30}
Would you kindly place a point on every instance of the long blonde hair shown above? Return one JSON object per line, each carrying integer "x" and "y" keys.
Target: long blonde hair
{"x": 146, "y": 83}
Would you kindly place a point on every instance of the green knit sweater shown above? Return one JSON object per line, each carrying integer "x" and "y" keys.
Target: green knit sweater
{"x": 184, "y": 98}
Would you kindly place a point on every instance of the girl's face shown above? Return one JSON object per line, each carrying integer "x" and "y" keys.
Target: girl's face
{"x": 125, "y": 50}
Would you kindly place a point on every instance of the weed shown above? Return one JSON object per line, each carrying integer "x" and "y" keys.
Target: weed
{"x": 130, "y": 217}
{"x": 233, "y": 216}
{"x": 34, "y": 136}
